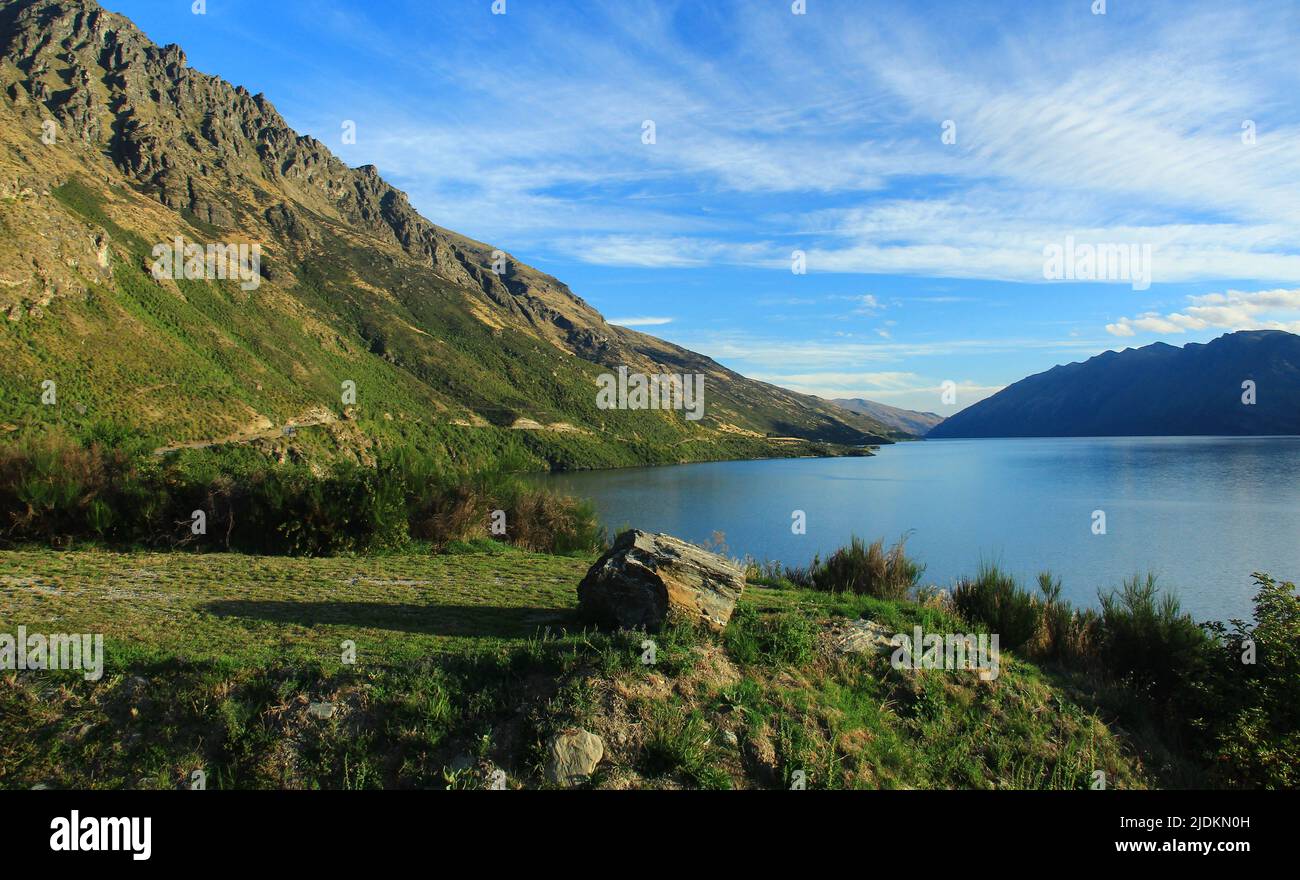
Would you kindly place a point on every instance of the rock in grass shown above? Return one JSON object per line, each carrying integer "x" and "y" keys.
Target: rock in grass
{"x": 322, "y": 711}
{"x": 644, "y": 576}
{"x": 572, "y": 756}
{"x": 862, "y": 637}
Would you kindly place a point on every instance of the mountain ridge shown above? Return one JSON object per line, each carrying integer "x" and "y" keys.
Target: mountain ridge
{"x": 1154, "y": 390}
{"x": 909, "y": 421}
{"x": 354, "y": 281}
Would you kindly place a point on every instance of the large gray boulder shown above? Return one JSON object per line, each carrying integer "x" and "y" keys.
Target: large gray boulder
{"x": 643, "y": 577}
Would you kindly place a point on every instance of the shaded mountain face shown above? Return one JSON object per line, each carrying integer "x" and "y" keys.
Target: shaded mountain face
{"x": 908, "y": 421}
{"x": 1151, "y": 391}
{"x": 113, "y": 146}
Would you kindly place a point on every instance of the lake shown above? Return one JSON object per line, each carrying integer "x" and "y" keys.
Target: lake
{"x": 1201, "y": 512}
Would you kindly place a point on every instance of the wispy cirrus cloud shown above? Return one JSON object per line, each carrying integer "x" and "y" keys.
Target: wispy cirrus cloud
{"x": 823, "y": 132}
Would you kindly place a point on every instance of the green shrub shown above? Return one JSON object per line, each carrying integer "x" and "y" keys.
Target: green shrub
{"x": 1256, "y": 730}
{"x": 1067, "y": 635}
{"x": 995, "y": 600}
{"x": 867, "y": 570}
{"x": 1149, "y": 642}
{"x": 56, "y": 490}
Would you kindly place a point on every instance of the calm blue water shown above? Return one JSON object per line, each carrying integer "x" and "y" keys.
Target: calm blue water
{"x": 1202, "y": 512}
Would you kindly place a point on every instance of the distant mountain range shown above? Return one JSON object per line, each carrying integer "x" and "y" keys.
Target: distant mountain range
{"x": 906, "y": 421}
{"x": 112, "y": 147}
{"x": 1154, "y": 390}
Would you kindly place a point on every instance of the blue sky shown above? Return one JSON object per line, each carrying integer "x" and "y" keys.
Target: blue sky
{"x": 1173, "y": 126}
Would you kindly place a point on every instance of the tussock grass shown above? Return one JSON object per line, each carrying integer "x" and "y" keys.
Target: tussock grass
{"x": 861, "y": 568}
{"x": 994, "y": 599}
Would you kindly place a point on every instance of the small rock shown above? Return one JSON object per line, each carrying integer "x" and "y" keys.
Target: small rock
{"x": 729, "y": 737}
{"x": 862, "y": 637}
{"x": 322, "y": 711}
{"x": 572, "y": 755}
{"x": 461, "y": 762}
{"x": 495, "y": 779}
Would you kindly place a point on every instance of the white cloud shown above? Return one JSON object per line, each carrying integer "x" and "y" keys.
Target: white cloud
{"x": 867, "y": 304}
{"x": 640, "y": 322}
{"x": 843, "y": 357}
{"x": 906, "y": 390}
{"x": 1233, "y": 310}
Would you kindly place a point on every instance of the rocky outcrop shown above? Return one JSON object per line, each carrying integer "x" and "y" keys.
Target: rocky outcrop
{"x": 112, "y": 89}
{"x": 645, "y": 577}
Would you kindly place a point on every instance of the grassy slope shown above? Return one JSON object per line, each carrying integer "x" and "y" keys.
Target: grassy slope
{"x": 432, "y": 339}
{"x": 207, "y": 360}
{"x": 213, "y": 661}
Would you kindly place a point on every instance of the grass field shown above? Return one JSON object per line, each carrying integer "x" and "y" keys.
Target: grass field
{"x": 467, "y": 662}
{"x": 203, "y": 607}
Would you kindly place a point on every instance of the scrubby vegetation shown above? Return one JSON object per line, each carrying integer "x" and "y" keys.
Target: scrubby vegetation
{"x": 60, "y": 492}
{"x": 468, "y": 661}
{"x": 995, "y": 600}
{"x": 859, "y": 568}
{"x": 1215, "y": 706}
{"x": 434, "y": 368}
{"x": 1256, "y": 740}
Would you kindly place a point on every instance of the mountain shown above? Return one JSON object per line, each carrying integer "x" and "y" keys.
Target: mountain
{"x": 113, "y": 146}
{"x": 1154, "y": 390}
{"x": 905, "y": 420}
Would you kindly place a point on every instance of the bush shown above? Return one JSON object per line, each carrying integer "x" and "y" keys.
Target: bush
{"x": 1150, "y": 643}
{"x": 1256, "y": 732}
{"x": 867, "y": 570}
{"x": 1067, "y": 635}
{"x": 995, "y": 600}
{"x": 55, "y": 491}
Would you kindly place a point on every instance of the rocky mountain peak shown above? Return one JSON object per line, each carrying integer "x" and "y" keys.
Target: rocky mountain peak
{"x": 194, "y": 140}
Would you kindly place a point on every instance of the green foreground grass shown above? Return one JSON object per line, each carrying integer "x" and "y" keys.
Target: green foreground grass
{"x": 467, "y": 662}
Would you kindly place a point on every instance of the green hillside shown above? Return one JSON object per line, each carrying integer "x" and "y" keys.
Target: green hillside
{"x": 108, "y": 154}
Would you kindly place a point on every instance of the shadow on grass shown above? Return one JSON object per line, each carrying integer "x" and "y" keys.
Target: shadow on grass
{"x": 441, "y": 620}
